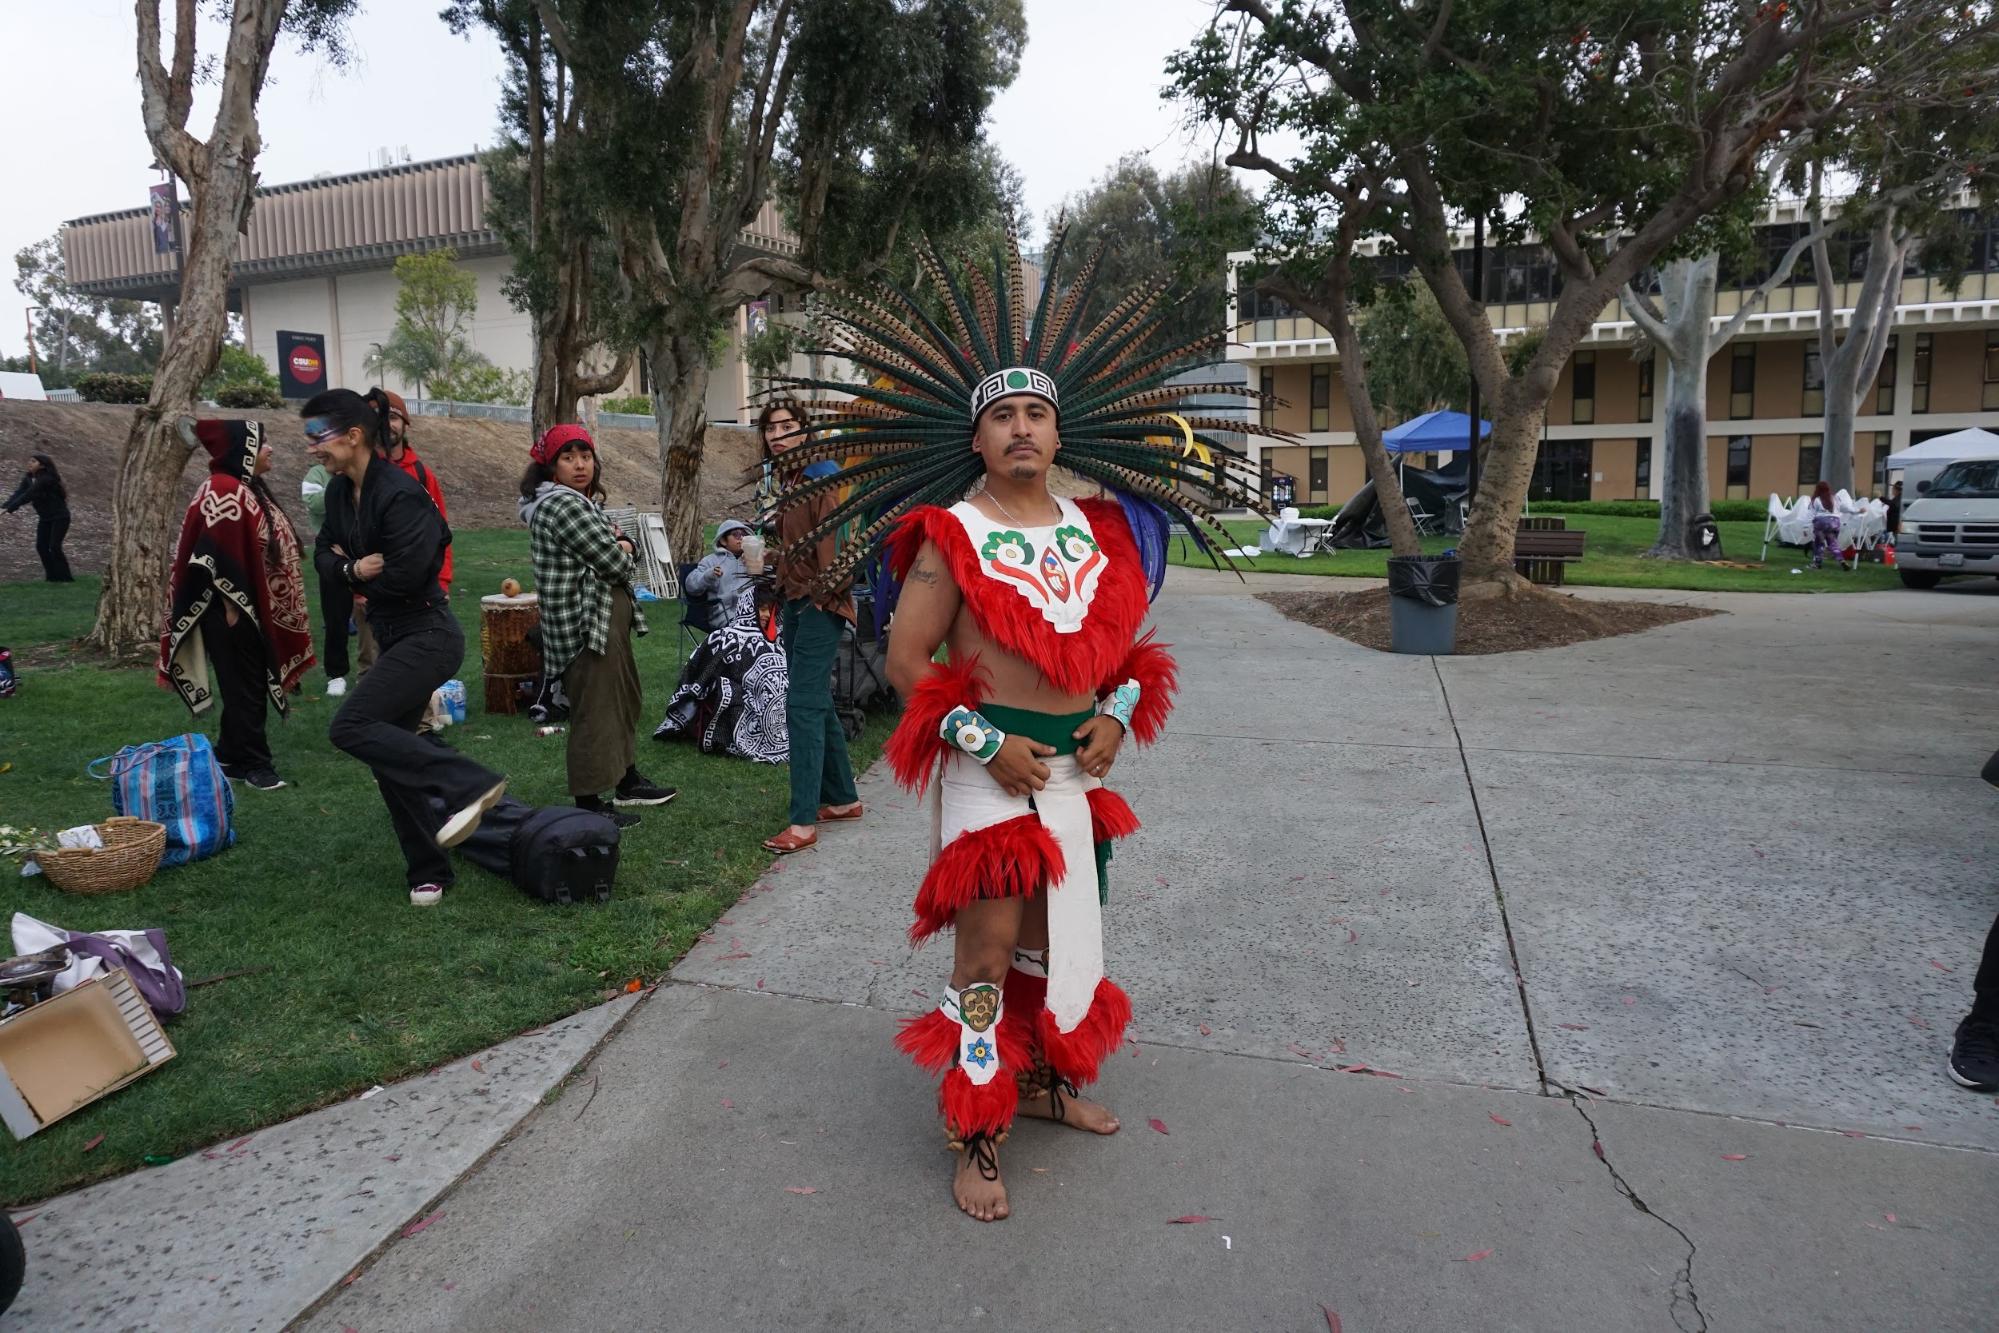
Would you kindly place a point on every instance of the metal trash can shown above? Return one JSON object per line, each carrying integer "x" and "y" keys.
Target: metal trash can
{"x": 1423, "y": 603}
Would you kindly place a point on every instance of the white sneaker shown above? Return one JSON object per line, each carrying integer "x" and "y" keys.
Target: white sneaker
{"x": 426, "y": 895}
{"x": 461, "y": 825}
{"x": 336, "y": 687}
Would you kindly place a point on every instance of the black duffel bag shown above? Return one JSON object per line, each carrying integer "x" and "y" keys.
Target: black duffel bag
{"x": 557, "y": 853}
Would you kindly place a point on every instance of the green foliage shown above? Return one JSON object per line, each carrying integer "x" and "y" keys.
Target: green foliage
{"x": 769, "y": 352}
{"x": 1177, "y": 228}
{"x": 636, "y": 404}
{"x": 1726, "y": 511}
{"x": 1415, "y": 363}
{"x": 434, "y": 299}
{"x": 240, "y": 368}
{"x": 248, "y": 395}
{"x": 76, "y": 334}
{"x": 483, "y": 383}
{"x": 105, "y": 387}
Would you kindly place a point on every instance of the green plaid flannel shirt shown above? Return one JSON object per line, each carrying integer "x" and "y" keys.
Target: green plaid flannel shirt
{"x": 577, "y": 560}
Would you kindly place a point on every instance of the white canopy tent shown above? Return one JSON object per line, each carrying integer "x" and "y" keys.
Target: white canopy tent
{"x": 1959, "y": 444}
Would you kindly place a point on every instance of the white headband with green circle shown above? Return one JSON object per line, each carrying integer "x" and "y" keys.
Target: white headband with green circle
{"x": 1014, "y": 379}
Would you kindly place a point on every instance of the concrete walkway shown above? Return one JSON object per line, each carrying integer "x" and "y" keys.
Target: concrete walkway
{"x": 1651, "y": 948}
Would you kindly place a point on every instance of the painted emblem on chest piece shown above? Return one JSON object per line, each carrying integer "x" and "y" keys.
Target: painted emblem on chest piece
{"x": 1057, "y": 573}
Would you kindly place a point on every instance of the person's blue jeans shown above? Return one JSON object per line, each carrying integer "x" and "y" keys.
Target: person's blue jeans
{"x": 821, "y": 773}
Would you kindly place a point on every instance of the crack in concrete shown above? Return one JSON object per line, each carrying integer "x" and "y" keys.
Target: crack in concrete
{"x": 1686, "y": 1299}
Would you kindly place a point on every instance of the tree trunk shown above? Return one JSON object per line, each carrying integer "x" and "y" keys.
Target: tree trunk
{"x": 1689, "y": 288}
{"x": 680, "y": 405}
{"x": 146, "y": 501}
{"x": 1487, "y": 548}
{"x": 1851, "y": 368}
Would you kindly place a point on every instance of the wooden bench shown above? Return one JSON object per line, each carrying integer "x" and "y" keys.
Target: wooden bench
{"x": 1542, "y": 547}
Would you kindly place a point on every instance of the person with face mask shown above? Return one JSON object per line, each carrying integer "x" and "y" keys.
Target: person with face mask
{"x": 237, "y": 607}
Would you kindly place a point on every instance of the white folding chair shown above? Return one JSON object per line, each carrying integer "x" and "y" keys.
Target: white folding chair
{"x": 1425, "y": 522}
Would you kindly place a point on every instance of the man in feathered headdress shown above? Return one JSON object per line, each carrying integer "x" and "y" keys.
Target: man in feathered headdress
{"x": 1040, "y": 601}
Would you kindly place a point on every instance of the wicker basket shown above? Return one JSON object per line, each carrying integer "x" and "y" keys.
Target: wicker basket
{"x": 128, "y": 858}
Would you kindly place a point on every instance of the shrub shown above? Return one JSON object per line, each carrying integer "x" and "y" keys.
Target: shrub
{"x": 249, "y": 395}
{"x": 104, "y": 387}
{"x": 239, "y": 368}
{"x": 1725, "y": 511}
{"x": 485, "y": 383}
{"x": 636, "y": 404}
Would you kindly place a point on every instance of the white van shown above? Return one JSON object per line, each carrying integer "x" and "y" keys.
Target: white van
{"x": 20, "y": 384}
{"x": 1952, "y": 527}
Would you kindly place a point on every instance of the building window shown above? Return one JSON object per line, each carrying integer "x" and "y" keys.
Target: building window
{"x": 1645, "y": 371}
{"x": 1266, "y": 407}
{"x": 1322, "y": 397}
{"x": 1641, "y": 487}
{"x": 1991, "y": 399}
{"x": 1883, "y": 446}
{"x": 1919, "y": 390}
{"x": 1315, "y": 481}
{"x": 1583, "y": 397}
{"x": 1884, "y": 383}
{"x": 1742, "y": 382}
{"x": 1814, "y": 383}
{"x": 1810, "y": 454}
{"x": 1738, "y": 468}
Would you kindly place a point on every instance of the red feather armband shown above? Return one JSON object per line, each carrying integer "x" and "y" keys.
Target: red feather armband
{"x": 1158, "y": 678}
{"x": 917, "y": 743}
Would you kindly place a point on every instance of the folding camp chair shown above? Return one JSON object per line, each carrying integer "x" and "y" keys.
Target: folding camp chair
{"x": 1426, "y": 522}
{"x": 697, "y": 614}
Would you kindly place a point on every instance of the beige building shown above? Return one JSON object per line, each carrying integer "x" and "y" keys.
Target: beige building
{"x": 319, "y": 255}
{"x": 1605, "y": 421}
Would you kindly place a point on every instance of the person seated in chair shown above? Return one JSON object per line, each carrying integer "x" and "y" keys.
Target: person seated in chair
{"x": 721, "y": 577}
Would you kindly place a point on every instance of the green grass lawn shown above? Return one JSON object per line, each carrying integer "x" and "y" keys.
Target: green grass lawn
{"x": 1612, "y": 559}
{"x": 359, "y": 988}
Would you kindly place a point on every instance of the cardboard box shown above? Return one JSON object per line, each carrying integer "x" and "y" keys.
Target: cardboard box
{"x": 63, "y": 1054}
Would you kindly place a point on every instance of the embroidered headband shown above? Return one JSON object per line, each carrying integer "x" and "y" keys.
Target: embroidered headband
{"x": 1005, "y": 383}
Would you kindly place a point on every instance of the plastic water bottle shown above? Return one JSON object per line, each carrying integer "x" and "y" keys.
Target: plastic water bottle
{"x": 549, "y": 731}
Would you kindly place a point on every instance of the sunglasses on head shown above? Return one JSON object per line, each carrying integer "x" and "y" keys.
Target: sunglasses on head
{"x": 323, "y": 435}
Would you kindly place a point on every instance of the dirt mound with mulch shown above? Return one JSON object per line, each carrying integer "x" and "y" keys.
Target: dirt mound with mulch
{"x": 1486, "y": 625}
{"x": 478, "y": 462}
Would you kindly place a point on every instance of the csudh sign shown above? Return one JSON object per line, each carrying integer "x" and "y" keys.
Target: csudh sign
{"x": 301, "y": 363}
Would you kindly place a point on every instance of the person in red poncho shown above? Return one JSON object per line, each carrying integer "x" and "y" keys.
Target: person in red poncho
{"x": 237, "y": 604}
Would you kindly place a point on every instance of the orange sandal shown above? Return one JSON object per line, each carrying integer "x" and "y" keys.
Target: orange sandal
{"x": 787, "y": 842}
{"x": 827, "y": 815}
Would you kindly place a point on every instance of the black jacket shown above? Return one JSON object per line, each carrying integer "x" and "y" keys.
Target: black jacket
{"x": 40, "y": 490}
{"x": 397, "y": 520}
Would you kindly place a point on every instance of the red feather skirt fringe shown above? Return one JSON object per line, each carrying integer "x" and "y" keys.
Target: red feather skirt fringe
{"x": 1110, "y": 816}
{"x": 1078, "y": 1055}
{"x": 1017, "y": 858}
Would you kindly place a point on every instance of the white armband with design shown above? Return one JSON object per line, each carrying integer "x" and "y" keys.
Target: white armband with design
{"x": 965, "y": 730}
{"x": 1120, "y": 703}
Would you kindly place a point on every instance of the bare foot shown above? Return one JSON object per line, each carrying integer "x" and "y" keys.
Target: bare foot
{"x": 1071, "y": 1109}
{"x": 976, "y": 1184}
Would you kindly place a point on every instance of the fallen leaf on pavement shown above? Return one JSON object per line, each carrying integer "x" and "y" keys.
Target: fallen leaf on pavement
{"x": 1574, "y": 1027}
{"x": 1205, "y": 1031}
{"x": 801, "y": 1189}
{"x": 1917, "y": 1020}
{"x": 1889, "y": 1216}
{"x": 93, "y": 1143}
{"x": 1735, "y": 1157}
{"x": 478, "y": 1066}
{"x": 728, "y": 1105}
{"x": 415, "y": 1227}
{"x": 1353, "y": 936}
{"x": 634, "y": 986}
{"x": 1157, "y": 1124}
{"x": 1939, "y": 966}
{"x": 1332, "y": 1319}
{"x": 1854, "y": 1133}
{"x": 1475, "y": 1258}
{"x": 1631, "y": 999}
{"x": 1497, "y": 1121}
{"x": 1190, "y": 1217}
{"x": 1596, "y": 1146}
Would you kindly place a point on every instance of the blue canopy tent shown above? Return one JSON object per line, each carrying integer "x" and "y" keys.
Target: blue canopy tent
{"x": 1432, "y": 432}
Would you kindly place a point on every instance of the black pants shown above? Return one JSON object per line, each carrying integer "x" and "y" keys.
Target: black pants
{"x": 336, "y": 608}
{"x": 1985, "y": 989}
{"x": 239, "y": 664}
{"x": 49, "y": 533}
{"x": 377, "y": 725}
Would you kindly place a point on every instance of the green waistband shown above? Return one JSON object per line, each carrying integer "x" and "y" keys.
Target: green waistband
{"x": 1048, "y": 728}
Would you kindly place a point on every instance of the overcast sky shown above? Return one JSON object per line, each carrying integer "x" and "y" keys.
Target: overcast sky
{"x": 1088, "y": 92}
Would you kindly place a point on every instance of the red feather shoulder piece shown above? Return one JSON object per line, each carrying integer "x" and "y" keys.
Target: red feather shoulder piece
{"x": 1072, "y": 606}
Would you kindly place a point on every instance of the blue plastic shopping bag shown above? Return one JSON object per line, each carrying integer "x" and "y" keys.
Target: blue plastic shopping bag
{"x": 177, "y": 783}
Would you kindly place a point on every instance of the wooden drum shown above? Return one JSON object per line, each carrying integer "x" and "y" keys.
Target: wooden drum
{"x": 510, "y": 658}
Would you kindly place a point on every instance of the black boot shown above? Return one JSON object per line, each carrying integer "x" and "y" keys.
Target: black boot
{"x": 596, "y": 805}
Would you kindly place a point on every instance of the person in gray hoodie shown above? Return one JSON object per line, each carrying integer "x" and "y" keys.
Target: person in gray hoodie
{"x": 723, "y": 575}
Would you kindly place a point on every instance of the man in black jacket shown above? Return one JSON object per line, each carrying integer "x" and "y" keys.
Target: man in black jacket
{"x": 384, "y": 538}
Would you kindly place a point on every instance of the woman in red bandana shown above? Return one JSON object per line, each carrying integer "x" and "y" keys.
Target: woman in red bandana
{"x": 237, "y": 605}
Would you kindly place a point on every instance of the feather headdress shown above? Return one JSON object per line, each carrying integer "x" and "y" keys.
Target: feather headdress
{"x": 902, "y": 439}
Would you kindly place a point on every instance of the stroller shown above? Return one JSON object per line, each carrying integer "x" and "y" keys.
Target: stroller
{"x": 859, "y": 683}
